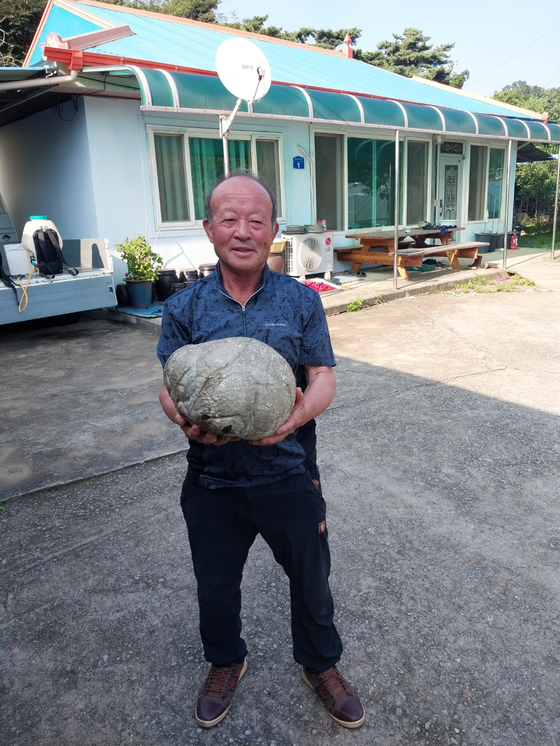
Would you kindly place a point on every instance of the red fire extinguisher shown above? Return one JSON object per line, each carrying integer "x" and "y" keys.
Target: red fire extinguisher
{"x": 513, "y": 242}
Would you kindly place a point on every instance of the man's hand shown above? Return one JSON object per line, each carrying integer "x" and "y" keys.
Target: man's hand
{"x": 192, "y": 432}
{"x": 296, "y": 419}
{"x": 319, "y": 393}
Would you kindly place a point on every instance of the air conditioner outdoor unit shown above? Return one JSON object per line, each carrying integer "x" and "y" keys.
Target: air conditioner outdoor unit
{"x": 308, "y": 254}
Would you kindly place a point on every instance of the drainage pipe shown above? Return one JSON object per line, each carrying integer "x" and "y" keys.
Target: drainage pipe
{"x": 14, "y": 85}
{"x": 312, "y": 182}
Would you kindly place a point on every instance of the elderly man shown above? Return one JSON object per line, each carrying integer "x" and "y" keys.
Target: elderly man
{"x": 235, "y": 489}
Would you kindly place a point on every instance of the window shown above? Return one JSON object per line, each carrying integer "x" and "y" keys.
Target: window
{"x": 369, "y": 189}
{"x": 477, "y": 178}
{"x": 170, "y": 164}
{"x": 416, "y": 181}
{"x": 207, "y": 165}
{"x": 371, "y": 182}
{"x": 187, "y": 166}
{"x": 486, "y": 179}
{"x": 268, "y": 158}
{"x": 329, "y": 164}
{"x": 495, "y": 180}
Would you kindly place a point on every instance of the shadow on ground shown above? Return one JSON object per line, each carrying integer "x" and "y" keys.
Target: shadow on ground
{"x": 442, "y": 506}
{"x": 79, "y": 400}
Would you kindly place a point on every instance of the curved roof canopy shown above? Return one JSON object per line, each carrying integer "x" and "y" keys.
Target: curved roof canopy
{"x": 165, "y": 90}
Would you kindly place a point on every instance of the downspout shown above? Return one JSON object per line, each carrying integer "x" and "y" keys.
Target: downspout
{"x": 13, "y": 85}
{"x": 312, "y": 182}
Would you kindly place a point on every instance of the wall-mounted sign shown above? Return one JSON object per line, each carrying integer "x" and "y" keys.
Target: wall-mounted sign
{"x": 299, "y": 162}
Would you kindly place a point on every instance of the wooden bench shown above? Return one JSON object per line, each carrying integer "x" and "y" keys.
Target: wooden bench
{"x": 408, "y": 257}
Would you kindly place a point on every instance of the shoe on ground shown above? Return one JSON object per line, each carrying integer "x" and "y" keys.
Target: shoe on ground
{"x": 339, "y": 697}
{"x": 216, "y": 693}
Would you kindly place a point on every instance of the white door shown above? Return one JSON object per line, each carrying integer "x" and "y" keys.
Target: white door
{"x": 449, "y": 202}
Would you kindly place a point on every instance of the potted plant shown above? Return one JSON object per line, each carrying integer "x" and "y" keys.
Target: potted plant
{"x": 142, "y": 264}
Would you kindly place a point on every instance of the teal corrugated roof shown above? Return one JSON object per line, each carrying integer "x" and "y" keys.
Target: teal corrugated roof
{"x": 169, "y": 41}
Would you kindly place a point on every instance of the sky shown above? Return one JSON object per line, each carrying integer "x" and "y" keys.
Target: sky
{"x": 498, "y": 41}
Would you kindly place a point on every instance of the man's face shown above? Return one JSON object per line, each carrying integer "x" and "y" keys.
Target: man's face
{"x": 241, "y": 228}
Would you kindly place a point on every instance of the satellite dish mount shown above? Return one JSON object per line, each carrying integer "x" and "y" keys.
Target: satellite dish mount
{"x": 245, "y": 72}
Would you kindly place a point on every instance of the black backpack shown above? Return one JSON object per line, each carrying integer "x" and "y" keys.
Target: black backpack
{"x": 50, "y": 261}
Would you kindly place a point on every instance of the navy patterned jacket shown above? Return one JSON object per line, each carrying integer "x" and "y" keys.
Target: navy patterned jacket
{"x": 284, "y": 314}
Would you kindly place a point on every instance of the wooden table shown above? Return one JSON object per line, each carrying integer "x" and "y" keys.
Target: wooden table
{"x": 378, "y": 247}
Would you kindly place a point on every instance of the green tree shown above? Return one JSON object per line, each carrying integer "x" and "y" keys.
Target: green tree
{"x": 325, "y": 38}
{"x": 18, "y": 21}
{"x": 197, "y": 10}
{"x": 532, "y": 97}
{"x": 535, "y": 183}
{"x": 410, "y": 54}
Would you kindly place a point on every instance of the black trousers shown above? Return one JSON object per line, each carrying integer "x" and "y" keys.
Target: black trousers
{"x": 290, "y": 516}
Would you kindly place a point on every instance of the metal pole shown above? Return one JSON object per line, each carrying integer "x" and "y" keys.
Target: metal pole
{"x": 225, "y": 126}
{"x": 226, "y": 154}
{"x": 506, "y": 216}
{"x": 554, "y": 222}
{"x": 396, "y": 234}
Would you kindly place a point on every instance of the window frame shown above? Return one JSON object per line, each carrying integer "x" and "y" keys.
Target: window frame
{"x": 488, "y": 146}
{"x": 200, "y": 132}
{"x": 403, "y": 176}
{"x": 152, "y": 131}
{"x": 502, "y": 182}
{"x": 343, "y": 178}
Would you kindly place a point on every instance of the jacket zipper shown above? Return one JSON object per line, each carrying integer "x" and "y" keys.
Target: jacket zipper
{"x": 243, "y": 307}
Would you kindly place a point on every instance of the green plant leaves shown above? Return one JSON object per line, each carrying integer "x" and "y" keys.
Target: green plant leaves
{"x": 142, "y": 262}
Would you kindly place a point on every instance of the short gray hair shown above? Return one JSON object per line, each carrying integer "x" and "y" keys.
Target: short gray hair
{"x": 249, "y": 175}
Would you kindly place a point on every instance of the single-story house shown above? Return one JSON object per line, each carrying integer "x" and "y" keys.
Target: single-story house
{"x": 111, "y": 128}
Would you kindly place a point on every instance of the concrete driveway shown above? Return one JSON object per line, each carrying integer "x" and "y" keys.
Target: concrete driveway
{"x": 439, "y": 459}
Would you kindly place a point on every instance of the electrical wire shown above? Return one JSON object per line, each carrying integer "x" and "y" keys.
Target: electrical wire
{"x": 553, "y": 74}
{"x": 513, "y": 55}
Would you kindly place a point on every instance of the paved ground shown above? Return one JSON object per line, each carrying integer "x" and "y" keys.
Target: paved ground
{"x": 439, "y": 459}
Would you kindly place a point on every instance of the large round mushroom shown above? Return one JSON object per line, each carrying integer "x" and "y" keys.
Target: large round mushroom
{"x": 239, "y": 387}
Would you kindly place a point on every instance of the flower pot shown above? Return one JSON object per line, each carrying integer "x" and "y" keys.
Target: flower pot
{"x": 500, "y": 240}
{"x": 123, "y": 297}
{"x": 206, "y": 269}
{"x": 486, "y": 238}
{"x": 165, "y": 279}
{"x": 188, "y": 275}
{"x": 140, "y": 292}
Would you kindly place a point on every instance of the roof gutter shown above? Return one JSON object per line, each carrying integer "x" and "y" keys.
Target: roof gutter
{"x": 16, "y": 85}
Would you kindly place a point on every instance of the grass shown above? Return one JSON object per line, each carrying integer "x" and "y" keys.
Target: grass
{"x": 536, "y": 241}
{"x": 480, "y": 284}
{"x": 355, "y": 305}
{"x": 537, "y": 234}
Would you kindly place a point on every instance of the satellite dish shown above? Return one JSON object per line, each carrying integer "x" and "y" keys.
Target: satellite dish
{"x": 243, "y": 69}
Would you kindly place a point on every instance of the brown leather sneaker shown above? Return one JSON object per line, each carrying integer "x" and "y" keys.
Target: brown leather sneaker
{"x": 339, "y": 697}
{"x": 217, "y": 691}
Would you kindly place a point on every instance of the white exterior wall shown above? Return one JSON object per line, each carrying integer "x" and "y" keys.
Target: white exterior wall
{"x": 45, "y": 170}
{"x": 89, "y": 171}
{"x": 116, "y": 144}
